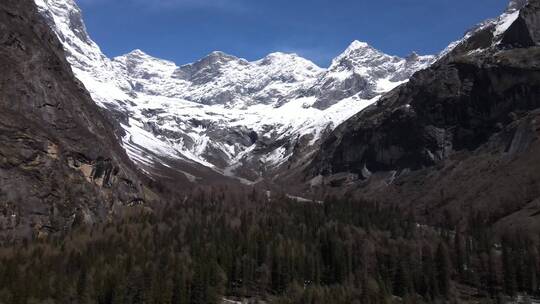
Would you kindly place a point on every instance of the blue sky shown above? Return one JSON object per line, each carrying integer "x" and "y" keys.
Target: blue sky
{"x": 186, "y": 30}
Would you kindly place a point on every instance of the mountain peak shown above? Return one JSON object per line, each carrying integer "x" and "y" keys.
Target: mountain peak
{"x": 283, "y": 57}
{"x": 137, "y": 53}
{"x": 356, "y": 44}
{"x": 220, "y": 55}
{"x": 289, "y": 61}
{"x": 358, "y": 48}
{"x": 215, "y": 58}
{"x": 360, "y": 53}
{"x": 279, "y": 57}
{"x": 138, "y": 56}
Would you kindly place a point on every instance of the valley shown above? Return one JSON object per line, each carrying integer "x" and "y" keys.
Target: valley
{"x": 377, "y": 179}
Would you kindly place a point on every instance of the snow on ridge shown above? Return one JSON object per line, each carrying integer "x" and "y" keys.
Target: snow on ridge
{"x": 499, "y": 26}
{"x": 505, "y": 21}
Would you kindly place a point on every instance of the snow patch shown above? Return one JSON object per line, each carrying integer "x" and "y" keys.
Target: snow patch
{"x": 505, "y": 21}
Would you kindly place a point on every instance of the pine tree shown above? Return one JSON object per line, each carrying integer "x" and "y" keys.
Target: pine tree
{"x": 442, "y": 261}
{"x": 402, "y": 281}
{"x": 509, "y": 271}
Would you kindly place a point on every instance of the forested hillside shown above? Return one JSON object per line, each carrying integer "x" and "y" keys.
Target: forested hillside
{"x": 215, "y": 245}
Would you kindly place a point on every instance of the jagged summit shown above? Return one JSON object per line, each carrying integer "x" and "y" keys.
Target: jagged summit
{"x": 219, "y": 56}
{"x": 281, "y": 57}
{"x": 140, "y": 55}
{"x": 369, "y": 55}
{"x": 356, "y": 44}
{"x": 215, "y": 58}
{"x": 363, "y": 71}
{"x": 137, "y": 53}
{"x": 357, "y": 49}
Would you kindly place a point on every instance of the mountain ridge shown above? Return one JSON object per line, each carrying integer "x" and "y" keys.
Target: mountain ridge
{"x": 208, "y": 111}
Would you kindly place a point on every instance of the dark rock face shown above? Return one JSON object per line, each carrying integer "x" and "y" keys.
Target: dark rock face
{"x": 60, "y": 162}
{"x": 440, "y": 139}
{"x": 443, "y": 109}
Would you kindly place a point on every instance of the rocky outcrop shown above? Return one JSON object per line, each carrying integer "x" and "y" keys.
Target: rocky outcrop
{"x": 60, "y": 161}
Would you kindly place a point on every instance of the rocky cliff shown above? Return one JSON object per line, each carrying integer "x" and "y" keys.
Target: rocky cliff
{"x": 60, "y": 161}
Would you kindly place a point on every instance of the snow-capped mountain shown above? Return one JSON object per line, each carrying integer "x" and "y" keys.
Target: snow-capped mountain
{"x": 220, "y": 78}
{"x": 236, "y": 117}
{"x": 366, "y": 71}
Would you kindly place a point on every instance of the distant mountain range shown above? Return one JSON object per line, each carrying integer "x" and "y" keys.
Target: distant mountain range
{"x": 237, "y": 118}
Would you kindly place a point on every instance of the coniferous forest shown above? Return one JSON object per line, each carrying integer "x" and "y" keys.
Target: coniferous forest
{"x": 218, "y": 246}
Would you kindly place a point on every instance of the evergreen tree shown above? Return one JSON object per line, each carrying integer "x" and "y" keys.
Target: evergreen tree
{"x": 442, "y": 260}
